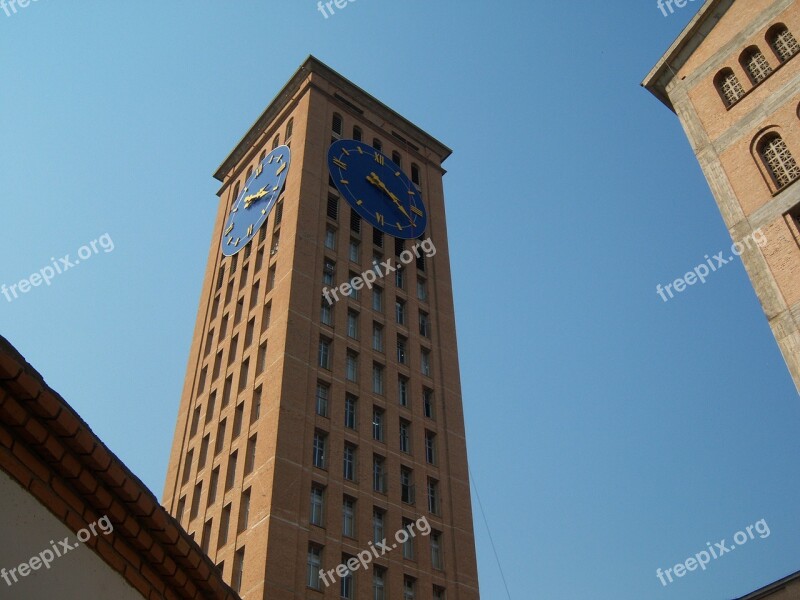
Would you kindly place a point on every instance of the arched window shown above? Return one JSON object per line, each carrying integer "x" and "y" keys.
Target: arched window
{"x": 778, "y": 160}
{"x": 357, "y": 135}
{"x": 397, "y": 159}
{"x": 756, "y": 64}
{"x": 414, "y": 173}
{"x": 289, "y": 128}
{"x": 263, "y": 155}
{"x": 336, "y": 126}
{"x": 235, "y": 194}
{"x": 728, "y": 86}
{"x": 783, "y": 42}
{"x": 376, "y": 143}
{"x": 276, "y": 142}
{"x": 249, "y": 172}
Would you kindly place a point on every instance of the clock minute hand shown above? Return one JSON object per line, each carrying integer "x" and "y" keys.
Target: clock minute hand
{"x": 252, "y": 197}
{"x": 376, "y": 181}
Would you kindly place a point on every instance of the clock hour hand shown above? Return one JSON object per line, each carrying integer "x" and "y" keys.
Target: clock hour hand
{"x": 376, "y": 181}
{"x": 248, "y": 200}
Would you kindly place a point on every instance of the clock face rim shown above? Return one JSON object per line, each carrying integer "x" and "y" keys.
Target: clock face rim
{"x": 388, "y": 165}
{"x": 263, "y": 206}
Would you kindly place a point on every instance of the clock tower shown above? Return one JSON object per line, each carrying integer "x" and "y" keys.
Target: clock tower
{"x": 320, "y": 447}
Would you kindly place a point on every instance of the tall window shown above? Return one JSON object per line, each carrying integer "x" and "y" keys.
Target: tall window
{"x": 347, "y": 584}
{"x": 424, "y": 324}
{"x": 349, "y": 462}
{"x": 224, "y": 524}
{"x": 377, "y": 378}
{"x": 326, "y": 312}
{"x": 289, "y": 128}
{"x": 415, "y": 173}
{"x": 425, "y": 362}
{"x": 352, "y": 366}
{"x": 377, "y": 337}
{"x": 377, "y": 299}
{"x": 400, "y": 312}
{"x": 250, "y": 459}
{"x": 779, "y": 160}
{"x": 336, "y": 125}
{"x": 378, "y": 583}
{"x": 317, "y": 505}
{"x": 756, "y": 64}
{"x": 314, "y": 564}
{"x": 238, "y": 570}
{"x": 402, "y": 350}
{"x": 355, "y": 251}
{"x": 783, "y": 42}
{"x": 325, "y": 353}
{"x": 349, "y": 517}
{"x": 409, "y": 588}
{"x": 408, "y": 545}
{"x": 405, "y": 436}
{"x": 402, "y": 390}
{"x": 376, "y": 143}
{"x": 330, "y": 238}
{"x": 377, "y": 424}
{"x": 255, "y": 406}
{"x": 436, "y": 550}
{"x": 328, "y": 272}
{"x": 320, "y": 440}
{"x": 430, "y": 447}
{"x": 427, "y": 403}
{"x": 230, "y": 475}
{"x": 323, "y": 391}
{"x": 358, "y": 135}
{"x": 350, "y": 404}
{"x": 433, "y": 496}
{"x": 379, "y": 474}
{"x": 352, "y": 324}
{"x": 378, "y": 525}
{"x": 438, "y": 593}
{"x": 244, "y": 511}
{"x": 406, "y": 485}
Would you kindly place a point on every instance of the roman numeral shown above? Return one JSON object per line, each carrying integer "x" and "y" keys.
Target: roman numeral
{"x": 379, "y": 158}
{"x": 340, "y": 164}
{"x": 228, "y": 230}
{"x": 379, "y": 218}
{"x": 250, "y": 230}
{"x": 279, "y": 171}
{"x": 416, "y": 211}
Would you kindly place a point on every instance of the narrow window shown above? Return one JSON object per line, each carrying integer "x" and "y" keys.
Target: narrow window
{"x": 779, "y": 160}
{"x": 756, "y": 64}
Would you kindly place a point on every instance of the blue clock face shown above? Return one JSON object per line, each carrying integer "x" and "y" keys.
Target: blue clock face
{"x": 377, "y": 189}
{"x": 251, "y": 209}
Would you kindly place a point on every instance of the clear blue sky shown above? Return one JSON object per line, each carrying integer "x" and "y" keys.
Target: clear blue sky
{"x": 609, "y": 433}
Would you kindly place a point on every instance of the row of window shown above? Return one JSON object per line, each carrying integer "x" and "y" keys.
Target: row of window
{"x": 347, "y": 584}
{"x": 379, "y": 475}
{"x": 354, "y": 247}
{"x": 351, "y": 373}
{"x": 337, "y": 130}
{"x": 756, "y": 64}
{"x": 378, "y": 427}
{"x": 403, "y": 396}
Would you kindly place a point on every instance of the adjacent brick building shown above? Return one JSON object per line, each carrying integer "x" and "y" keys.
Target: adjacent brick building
{"x": 307, "y": 431}
{"x": 733, "y": 79}
{"x": 57, "y": 482}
